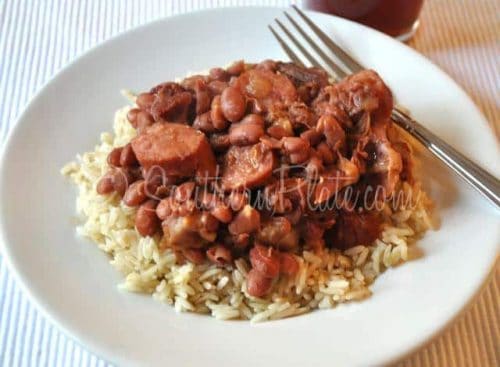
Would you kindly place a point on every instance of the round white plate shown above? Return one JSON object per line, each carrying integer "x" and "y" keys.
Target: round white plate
{"x": 71, "y": 280}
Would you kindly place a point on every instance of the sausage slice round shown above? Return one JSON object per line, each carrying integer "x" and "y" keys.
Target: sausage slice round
{"x": 247, "y": 167}
{"x": 179, "y": 149}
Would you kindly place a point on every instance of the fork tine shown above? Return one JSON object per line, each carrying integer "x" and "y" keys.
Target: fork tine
{"x": 343, "y": 56}
{"x": 307, "y": 55}
{"x": 285, "y": 48}
{"x": 335, "y": 68}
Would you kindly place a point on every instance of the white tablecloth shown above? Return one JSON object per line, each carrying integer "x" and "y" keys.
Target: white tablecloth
{"x": 37, "y": 38}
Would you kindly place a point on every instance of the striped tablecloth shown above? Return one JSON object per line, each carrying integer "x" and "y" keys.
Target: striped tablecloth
{"x": 37, "y": 38}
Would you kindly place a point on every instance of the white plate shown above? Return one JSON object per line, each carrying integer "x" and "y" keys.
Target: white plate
{"x": 71, "y": 280}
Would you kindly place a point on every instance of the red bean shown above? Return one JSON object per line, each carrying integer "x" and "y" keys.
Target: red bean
{"x": 127, "y": 156}
{"x": 255, "y": 106}
{"x": 241, "y": 241}
{"x": 105, "y": 185}
{"x": 219, "y": 255}
{"x": 218, "y": 74}
{"x": 135, "y": 194}
{"x": 146, "y": 221}
{"x": 145, "y": 100}
{"x": 257, "y": 284}
{"x": 217, "y": 87}
{"x": 279, "y": 130}
{"x": 220, "y": 142}
{"x": 132, "y": 116}
{"x": 325, "y": 153}
{"x": 267, "y": 65}
{"x": 202, "y": 95}
{"x": 216, "y": 114}
{"x": 253, "y": 118}
{"x": 209, "y": 222}
{"x": 314, "y": 168}
{"x": 222, "y": 213}
{"x": 296, "y": 148}
{"x": 236, "y": 68}
{"x": 265, "y": 260}
{"x": 121, "y": 180}
{"x": 245, "y": 134}
{"x": 164, "y": 208}
{"x": 184, "y": 191}
{"x": 144, "y": 119}
{"x": 288, "y": 264}
{"x": 237, "y": 200}
{"x": 114, "y": 157}
{"x": 203, "y": 122}
{"x": 311, "y": 135}
{"x": 233, "y": 104}
{"x": 196, "y": 256}
{"x": 246, "y": 221}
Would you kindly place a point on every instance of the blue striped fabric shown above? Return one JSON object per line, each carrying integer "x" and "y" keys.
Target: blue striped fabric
{"x": 37, "y": 38}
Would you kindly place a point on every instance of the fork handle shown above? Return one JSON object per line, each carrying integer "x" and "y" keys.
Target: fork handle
{"x": 478, "y": 178}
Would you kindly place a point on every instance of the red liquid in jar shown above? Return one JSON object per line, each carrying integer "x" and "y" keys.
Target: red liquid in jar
{"x": 394, "y": 17}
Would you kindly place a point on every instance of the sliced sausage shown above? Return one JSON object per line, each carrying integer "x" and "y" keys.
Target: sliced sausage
{"x": 178, "y": 149}
{"x": 247, "y": 167}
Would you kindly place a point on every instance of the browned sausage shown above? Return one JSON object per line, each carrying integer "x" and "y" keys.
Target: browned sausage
{"x": 178, "y": 149}
{"x": 146, "y": 221}
{"x": 257, "y": 284}
{"x": 247, "y": 167}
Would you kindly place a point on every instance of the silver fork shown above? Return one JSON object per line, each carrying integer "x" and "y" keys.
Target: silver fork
{"x": 477, "y": 177}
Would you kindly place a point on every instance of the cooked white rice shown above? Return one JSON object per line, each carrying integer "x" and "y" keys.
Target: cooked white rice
{"x": 323, "y": 280}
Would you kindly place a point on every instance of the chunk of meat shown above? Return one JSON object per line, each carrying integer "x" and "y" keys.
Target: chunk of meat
{"x": 247, "y": 166}
{"x": 308, "y": 81}
{"x": 330, "y": 128}
{"x": 333, "y": 179}
{"x": 355, "y": 228}
{"x": 171, "y": 102}
{"x": 363, "y": 92}
{"x": 269, "y": 88}
{"x": 190, "y": 231}
{"x": 178, "y": 149}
